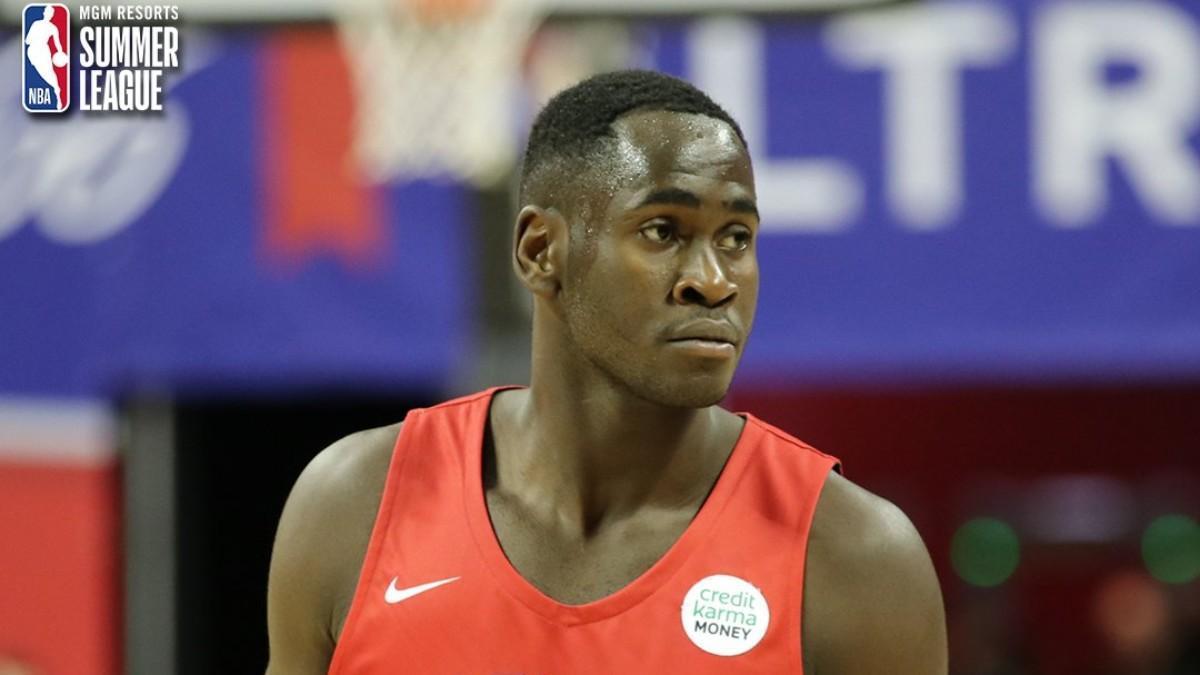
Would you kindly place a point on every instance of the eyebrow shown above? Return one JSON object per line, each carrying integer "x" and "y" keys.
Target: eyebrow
{"x": 673, "y": 196}
{"x": 742, "y": 206}
{"x": 678, "y": 197}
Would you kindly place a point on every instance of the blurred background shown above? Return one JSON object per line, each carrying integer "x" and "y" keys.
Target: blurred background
{"x": 980, "y": 264}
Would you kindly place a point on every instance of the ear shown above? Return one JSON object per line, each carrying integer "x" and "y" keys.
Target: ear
{"x": 540, "y": 245}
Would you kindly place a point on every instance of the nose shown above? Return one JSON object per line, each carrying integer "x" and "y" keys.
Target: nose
{"x": 702, "y": 279}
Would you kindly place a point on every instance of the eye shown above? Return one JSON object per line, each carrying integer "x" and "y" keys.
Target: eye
{"x": 737, "y": 239}
{"x": 659, "y": 231}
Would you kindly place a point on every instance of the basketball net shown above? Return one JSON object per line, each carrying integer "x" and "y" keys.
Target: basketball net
{"x": 437, "y": 84}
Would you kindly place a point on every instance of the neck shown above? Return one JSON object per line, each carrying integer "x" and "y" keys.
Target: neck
{"x": 585, "y": 451}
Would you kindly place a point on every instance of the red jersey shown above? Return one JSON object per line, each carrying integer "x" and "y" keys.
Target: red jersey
{"x": 437, "y": 595}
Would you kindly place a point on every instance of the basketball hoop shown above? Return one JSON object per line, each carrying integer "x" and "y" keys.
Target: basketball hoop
{"x": 437, "y": 84}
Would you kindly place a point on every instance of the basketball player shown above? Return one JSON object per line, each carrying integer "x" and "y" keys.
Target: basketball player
{"x": 611, "y": 517}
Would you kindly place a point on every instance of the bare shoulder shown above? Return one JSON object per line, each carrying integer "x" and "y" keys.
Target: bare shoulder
{"x": 319, "y": 548}
{"x": 872, "y": 603}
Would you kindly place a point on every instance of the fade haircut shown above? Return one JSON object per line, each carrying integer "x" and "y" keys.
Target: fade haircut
{"x": 577, "y": 123}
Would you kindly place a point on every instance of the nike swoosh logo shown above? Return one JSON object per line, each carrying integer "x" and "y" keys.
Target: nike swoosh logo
{"x": 394, "y": 595}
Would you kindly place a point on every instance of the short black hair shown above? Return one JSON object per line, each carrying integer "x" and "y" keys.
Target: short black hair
{"x": 578, "y": 120}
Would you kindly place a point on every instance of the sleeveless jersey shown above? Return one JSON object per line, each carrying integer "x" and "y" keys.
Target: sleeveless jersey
{"x": 436, "y": 594}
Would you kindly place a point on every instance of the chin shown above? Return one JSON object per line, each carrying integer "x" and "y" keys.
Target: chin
{"x": 700, "y": 391}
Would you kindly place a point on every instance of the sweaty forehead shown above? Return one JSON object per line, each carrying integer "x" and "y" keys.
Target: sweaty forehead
{"x": 654, "y": 144}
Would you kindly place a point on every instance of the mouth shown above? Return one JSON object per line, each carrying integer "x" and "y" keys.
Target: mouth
{"x": 706, "y": 338}
{"x": 707, "y": 331}
{"x": 704, "y": 347}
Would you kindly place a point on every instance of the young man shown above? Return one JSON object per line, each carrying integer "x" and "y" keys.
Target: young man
{"x": 609, "y": 518}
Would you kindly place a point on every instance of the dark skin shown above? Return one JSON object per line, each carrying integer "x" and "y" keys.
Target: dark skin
{"x": 642, "y": 309}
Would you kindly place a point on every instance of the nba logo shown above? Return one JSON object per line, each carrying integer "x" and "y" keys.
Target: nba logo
{"x": 46, "y": 77}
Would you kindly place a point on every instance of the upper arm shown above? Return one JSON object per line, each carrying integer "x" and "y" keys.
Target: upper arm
{"x": 319, "y": 548}
{"x": 872, "y": 601}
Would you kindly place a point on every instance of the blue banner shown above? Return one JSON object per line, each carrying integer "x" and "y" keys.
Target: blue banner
{"x": 218, "y": 245}
{"x": 969, "y": 190}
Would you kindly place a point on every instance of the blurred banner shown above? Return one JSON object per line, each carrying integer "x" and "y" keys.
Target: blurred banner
{"x": 966, "y": 190}
{"x": 973, "y": 190}
{"x": 223, "y": 243}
